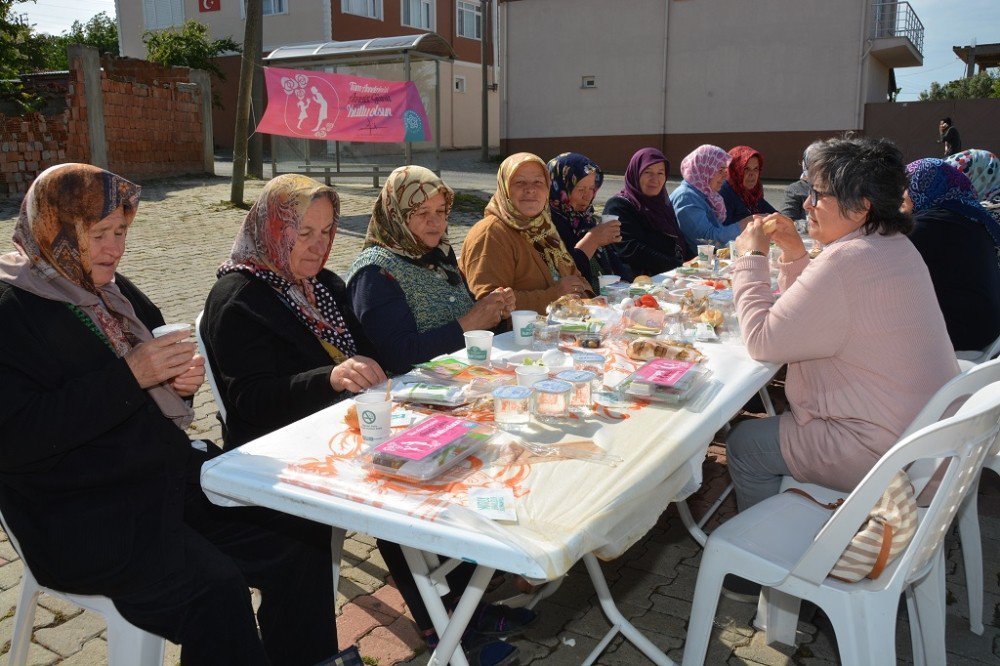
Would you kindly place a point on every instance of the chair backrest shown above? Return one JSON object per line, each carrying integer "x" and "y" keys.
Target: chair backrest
{"x": 209, "y": 375}
{"x": 962, "y": 441}
{"x": 959, "y": 388}
{"x": 987, "y": 354}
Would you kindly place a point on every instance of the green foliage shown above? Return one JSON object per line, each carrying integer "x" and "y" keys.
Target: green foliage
{"x": 15, "y": 36}
{"x": 982, "y": 85}
{"x": 188, "y": 46}
{"x": 100, "y": 31}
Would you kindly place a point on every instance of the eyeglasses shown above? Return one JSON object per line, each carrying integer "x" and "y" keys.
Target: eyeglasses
{"x": 815, "y": 195}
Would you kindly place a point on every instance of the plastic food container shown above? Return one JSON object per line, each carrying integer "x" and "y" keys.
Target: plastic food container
{"x": 582, "y": 381}
{"x": 665, "y": 380}
{"x": 551, "y": 399}
{"x": 512, "y": 407}
{"x": 429, "y": 448}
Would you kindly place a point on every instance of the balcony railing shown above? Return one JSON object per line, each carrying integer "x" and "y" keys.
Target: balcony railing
{"x": 897, "y": 19}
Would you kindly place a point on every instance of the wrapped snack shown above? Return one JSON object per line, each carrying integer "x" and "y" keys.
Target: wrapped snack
{"x": 644, "y": 350}
{"x": 665, "y": 380}
{"x": 448, "y": 395}
{"x": 427, "y": 449}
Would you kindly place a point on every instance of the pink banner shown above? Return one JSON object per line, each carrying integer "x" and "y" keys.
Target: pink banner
{"x": 340, "y": 107}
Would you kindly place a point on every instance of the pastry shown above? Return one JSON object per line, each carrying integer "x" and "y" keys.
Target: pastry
{"x": 712, "y": 316}
{"x": 642, "y": 279}
{"x": 770, "y": 225}
{"x": 646, "y": 350}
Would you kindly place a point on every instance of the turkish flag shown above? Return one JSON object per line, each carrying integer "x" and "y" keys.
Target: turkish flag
{"x": 209, "y": 5}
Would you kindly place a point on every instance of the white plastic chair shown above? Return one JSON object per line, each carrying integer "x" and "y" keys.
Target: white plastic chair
{"x": 128, "y": 645}
{"x": 209, "y": 375}
{"x": 981, "y": 355}
{"x": 789, "y": 544}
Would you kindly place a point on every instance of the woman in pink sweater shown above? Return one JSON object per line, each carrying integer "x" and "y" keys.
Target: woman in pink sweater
{"x": 859, "y": 326}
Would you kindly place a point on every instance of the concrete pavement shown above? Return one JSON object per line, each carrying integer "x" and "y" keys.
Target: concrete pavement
{"x": 184, "y": 230}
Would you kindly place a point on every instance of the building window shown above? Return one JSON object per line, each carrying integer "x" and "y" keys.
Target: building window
{"x": 368, "y": 8}
{"x": 271, "y": 7}
{"x": 160, "y": 14}
{"x": 418, "y": 14}
{"x": 470, "y": 20}
{"x": 460, "y": 84}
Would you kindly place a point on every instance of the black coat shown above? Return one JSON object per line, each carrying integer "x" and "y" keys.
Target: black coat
{"x": 270, "y": 369}
{"x": 92, "y": 475}
{"x": 962, "y": 262}
{"x": 646, "y": 250}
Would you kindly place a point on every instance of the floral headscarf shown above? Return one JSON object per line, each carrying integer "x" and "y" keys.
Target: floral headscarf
{"x": 263, "y": 248}
{"x": 539, "y": 231}
{"x": 52, "y": 259}
{"x": 405, "y": 189}
{"x": 656, "y": 210}
{"x": 565, "y": 171}
{"x": 982, "y": 168}
{"x": 933, "y": 183}
{"x": 698, "y": 168}
{"x": 737, "y": 169}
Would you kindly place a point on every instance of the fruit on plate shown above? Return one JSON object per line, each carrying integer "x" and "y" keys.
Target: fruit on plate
{"x": 646, "y": 350}
{"x": 647, "y": 301}
{"x": 712, "y": 316}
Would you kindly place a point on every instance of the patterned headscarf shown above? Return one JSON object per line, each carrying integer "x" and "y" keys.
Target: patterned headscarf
{"x": 698, "y": 168}
{"x": 656, "y": 210}
{"x": 53, "y": 259}
{"x": 737, "y": 169}
{"x": 405, "y": 189}
{"x": 982, "y": 168}
{"x": 933, "y": 183}
{"x": 263, "y": 248}
{"x": 539, "y": 231}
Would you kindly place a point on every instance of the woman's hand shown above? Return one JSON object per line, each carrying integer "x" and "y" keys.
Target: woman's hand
{"x": 605, "y": 233}
{"x": 752, "y": 239}
{"x": 489, "y": 310}
{"x": 356, "y": 374}
{"x": 158, "y": 360}
{"x": 572, "y": 285}
{"x": 188, "y": 382}
{"x": 785, "y": 236}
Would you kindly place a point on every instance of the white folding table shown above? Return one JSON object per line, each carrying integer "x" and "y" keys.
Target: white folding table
{"x": 567, "y": 509}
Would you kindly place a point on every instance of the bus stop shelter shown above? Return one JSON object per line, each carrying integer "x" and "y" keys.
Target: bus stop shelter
{"x": 415, "y": 58}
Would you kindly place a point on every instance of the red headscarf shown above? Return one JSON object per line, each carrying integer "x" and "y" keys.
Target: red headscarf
{"x": 737, "y": 168}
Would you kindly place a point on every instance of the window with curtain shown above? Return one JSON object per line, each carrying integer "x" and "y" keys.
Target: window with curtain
{"x": 160, "y": 14}
{"x": 270, "y": 7}
{"x": 418, "y": 14}
{"x": 470, "y": 20}
{"x": 368, "y": 8}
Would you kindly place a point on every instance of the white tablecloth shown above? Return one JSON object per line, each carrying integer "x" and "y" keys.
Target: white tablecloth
{"x": 565, "y": 508}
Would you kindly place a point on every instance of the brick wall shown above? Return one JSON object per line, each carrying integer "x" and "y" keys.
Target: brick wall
{"x": 152, "y": 126}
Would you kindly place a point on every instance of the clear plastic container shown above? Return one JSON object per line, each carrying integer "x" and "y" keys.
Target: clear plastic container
{"x": 431, "y": 447}
{"x": 512, "y": 407}
{"x": 665, "y": 380}
{"x": 551, "y": 399}
{"x": 582, "y": 382}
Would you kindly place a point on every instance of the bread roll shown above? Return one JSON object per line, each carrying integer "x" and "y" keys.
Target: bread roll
{"x": 770, "y": 225}
{"x": 646, "y": 350}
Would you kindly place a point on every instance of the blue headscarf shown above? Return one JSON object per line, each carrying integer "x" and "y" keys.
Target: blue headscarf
{"x": 933, "y": 183}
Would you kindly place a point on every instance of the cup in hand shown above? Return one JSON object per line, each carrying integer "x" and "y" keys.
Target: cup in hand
{"x": 374, "y": 416}
{"x": 523, "y": 323}
{"x": 608, "y": 218}
{"x": 478, "y": 346}
{"x": 166, "y": 329}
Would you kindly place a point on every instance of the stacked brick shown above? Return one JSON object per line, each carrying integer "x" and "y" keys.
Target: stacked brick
{"x": 28, "y": 145}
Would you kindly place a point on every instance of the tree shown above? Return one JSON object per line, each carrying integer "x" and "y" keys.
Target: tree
{"x": 188, "y": 46}
{"x": 983, "y": 85}
{"x": 100, "y": 31}
{"x": 17, "y": 51}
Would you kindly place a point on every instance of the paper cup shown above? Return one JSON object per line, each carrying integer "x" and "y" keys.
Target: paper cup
{"x": 706, "y": 254}
{"x": 160, "y": 331}
{"x": 608, "y": 218}
{"x": 527, "y": 375}
{"x": 523, "y": 322}
{"x": 607, "y": 280}
{"x": 478, "y": 346}
{"x": 374, "y": 416}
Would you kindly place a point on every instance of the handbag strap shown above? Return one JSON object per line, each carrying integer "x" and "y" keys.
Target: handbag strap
{"x": 883, "y": 553}
{"x": 832, "y": 506}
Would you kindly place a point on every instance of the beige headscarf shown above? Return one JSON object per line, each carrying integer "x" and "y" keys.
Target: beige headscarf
{"x": 539, "y": 230}
{"x": 52, "y": 259}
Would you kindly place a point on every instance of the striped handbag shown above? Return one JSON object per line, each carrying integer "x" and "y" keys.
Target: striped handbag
{"x": 888, "y": 530}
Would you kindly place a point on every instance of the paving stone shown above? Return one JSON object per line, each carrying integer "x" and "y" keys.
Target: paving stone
{"x": 358, "y": 550}
{"x": 43, "y": 618}
{"x": 564, "y": 653}
{"x": 93, "y": 653}
{"x": 635, "y": 587}
{"x": 397, "y": 642}
{"x": 360, "y": 578}
{"x": 356, "y": 621}
{"x": 10, "y": 574}
{"x": 70, "y": 636}
{"x": 60, "y": 607}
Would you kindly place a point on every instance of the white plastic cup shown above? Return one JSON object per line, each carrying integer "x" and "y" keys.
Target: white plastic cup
{"x": 608, "y": 218}
{"x": 479, "y": 346}
{"x": 607, "y": 280}
{"x": 374, "y": 416}
{"x": 523, "y": 322}
{"x": 527, "y": 375}
{"x": 166, "y": 329}
{"x": 706, "y": 255}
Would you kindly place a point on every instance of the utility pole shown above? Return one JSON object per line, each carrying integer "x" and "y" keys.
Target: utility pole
{"x": 483, "y": 25}
{"x": 256, "y": 149}
{"x": 255, "y": 11}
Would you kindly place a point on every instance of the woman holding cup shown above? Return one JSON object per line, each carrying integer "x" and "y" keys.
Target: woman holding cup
{"x": 575, "y": 180}
{"x": 652, "y": 241}
{"x": 405, "y": 285}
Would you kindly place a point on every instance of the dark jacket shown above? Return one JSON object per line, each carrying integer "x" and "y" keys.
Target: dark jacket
{"x": 646, "y": 250}
{"x": 737, "y": 210}
{"x": 607, "y": 256}
{"x": 270, "y": 369}
{"x": 92, "y": 474}
{"x": 963, "y": 265}
{"x": 795, "y": 197}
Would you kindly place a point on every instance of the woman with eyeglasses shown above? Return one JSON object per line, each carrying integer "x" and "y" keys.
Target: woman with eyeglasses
{"x": 700, "y": 208}
{"x": 516, "y": 245}
{"x": 859, "y": 326}
{"x": 743, "y": 192}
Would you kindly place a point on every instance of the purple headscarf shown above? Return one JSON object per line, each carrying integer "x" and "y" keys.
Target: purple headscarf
{"x": 698, "y": 168}
{"x": 656, "y": 210}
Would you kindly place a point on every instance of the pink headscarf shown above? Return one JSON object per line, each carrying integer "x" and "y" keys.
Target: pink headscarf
{"x": 698, "y": 168}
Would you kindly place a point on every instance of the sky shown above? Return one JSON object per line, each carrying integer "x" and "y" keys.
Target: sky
{"x": 947, "y": 23}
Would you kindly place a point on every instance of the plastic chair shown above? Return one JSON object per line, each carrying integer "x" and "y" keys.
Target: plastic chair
{"x": 209, "y": 375}
{"x": 789, "y": 544}
{"x": 981, "y": 355}
{"x": 128, "y": 645}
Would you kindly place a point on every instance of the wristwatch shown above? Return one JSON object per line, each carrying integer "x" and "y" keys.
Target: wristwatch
{"x": 754, "y": 253}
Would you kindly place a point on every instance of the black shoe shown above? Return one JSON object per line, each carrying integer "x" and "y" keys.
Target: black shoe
{"x": 740, "y": 589}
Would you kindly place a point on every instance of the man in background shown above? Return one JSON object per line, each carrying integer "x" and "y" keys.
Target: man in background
{"x": 948, "y": 135}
